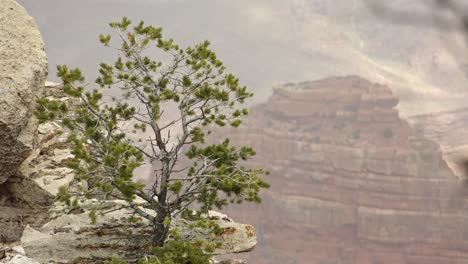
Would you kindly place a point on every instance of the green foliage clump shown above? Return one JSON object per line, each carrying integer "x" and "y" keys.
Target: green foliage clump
{"x": 178, "y": 252}
{"x": 173, "y": 252}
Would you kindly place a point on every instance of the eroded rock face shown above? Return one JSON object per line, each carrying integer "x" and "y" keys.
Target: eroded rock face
{"x": 23, "y": 70}
{"x": 352, "y": 183}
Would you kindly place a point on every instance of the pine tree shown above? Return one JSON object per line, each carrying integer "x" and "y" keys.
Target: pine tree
{"x": 111, "y": 138}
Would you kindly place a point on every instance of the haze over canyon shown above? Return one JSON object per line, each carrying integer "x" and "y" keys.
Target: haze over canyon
{"x": 360, "y": 117}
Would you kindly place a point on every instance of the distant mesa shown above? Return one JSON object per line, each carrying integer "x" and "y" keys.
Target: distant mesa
{"x": 352, "y": 182}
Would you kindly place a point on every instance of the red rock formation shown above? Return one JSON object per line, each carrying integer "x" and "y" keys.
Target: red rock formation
{"x": 352, "y": 183}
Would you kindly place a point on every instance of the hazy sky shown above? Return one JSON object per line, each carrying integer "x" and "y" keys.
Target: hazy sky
{"x": 271, "y": 42}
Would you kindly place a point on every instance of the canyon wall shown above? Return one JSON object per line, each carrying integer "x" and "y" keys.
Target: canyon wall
{"x": 352, "y": 183}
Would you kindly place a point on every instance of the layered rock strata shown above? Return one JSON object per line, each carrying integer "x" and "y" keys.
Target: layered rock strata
{"x": 351, "y": 181}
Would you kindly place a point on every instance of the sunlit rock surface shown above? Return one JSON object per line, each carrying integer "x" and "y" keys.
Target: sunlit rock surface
{"x": 352, "y": 183}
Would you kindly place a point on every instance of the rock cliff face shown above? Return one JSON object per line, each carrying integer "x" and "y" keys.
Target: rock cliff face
{"x": 352, "y": 183}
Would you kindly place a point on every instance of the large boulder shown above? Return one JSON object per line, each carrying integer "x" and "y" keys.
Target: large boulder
{"x": 23, "y": 70}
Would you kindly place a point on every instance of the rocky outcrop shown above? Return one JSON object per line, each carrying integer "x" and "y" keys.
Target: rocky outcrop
{"x": 23, "y": 69}
{"x": 351, "y": 181}
{"x": 71, "y": 237}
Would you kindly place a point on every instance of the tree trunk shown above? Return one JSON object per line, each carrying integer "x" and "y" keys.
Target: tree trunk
{"x": 160, "y": 230}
